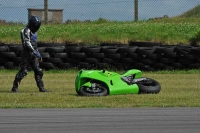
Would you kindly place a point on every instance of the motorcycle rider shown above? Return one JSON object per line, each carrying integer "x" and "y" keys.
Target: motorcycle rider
{"x": 30, "y": 55}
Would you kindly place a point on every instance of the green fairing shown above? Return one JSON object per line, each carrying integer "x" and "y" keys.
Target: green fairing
{"x": 111, "y": 79}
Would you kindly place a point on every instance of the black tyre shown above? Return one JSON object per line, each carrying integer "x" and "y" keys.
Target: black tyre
{"x": 108, "y": 60}
{"x": 145, "y": 51}
{"x": 190, "y": 57}
{"x": 195, "y": 51}
{"x": 9, "y": 65}
{"x": 1, "y": 67}
{"x": 41, "y": 49}
{"x": 127, "y": 49}
{"x": 116, "y": 56}
{"x": 178, "y": 66}
{"x": 113, "y": 44}
{"x": 170, "y": 68}
{"x": 46, "y": 65}
{"x": 64, "y": 65}
{"x": 60, "y": 55}
{"x": 91, "y": 60}
{"x": 148, "y": 86}
{"x": 102, "y": 66}
{"x": 109, "y": 49}
{"x": 83, "y": 65}
{"x": 15, "y": 48}
{"x": 134, "y": 56}
{"x": 2, "y": 60}
{"x": 91, "y": 49}
{"x": 77, "y": 55}
{"x": 8, "y": 54}
{"x": 72, "y": 60}
{"x": 43, "y": 44}
{"x": 73, "y": 48}
{"x": 159, "y": 66}
{"x": 153, "y": 57}
{"x": 186, "y": 62}
{"x": 164, "y": 60}
{"x": 100, "y": 89}
{"x": 127, "y": 61}
{"x": 97, "y": 55}
{"x": 45, "y": 55}
{"x": 194, "y": 66}
{"x": 17, "y": 60}
{"x": 165, "y": 50}
{"x": 170, "y": 55}
{"x": 147, "y": 62}
{"x": 198, "y": 60}
{"x": 55, "y": 49}
{"x": 3, "y": 48}
{"x": 144, "y": 44}
{"x": 54, "y": 60}
{"x": 182, "y": 50}
{"x": 140, "y": 66}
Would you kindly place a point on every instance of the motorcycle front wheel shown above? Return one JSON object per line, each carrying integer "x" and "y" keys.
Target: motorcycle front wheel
{"x": 97, "y": 90}
{"x": 148, "y": 86}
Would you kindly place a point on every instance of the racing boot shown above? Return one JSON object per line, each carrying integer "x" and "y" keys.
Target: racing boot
{"x": 43, "y": 90}
{"x": 40, "y": 84}
{"x": 15, "y": 87}
{"x": 19, "y": 76}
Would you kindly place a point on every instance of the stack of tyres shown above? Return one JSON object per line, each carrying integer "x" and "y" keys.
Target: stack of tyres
{"x": 91, "y": 59}
{"x": 195, "y": 54}
{"x": 111, "y": 56}
{"x": 187, "y": 57}
{"x": 2, "y": 59}
{"x": 120, "y": 57}
{"x": 166, "y": 56}
{"x": 75, "y": 55}
{"x": 146, "y": 58}
{"x": 10, "y": 56}
{"x": 15, "y": 50}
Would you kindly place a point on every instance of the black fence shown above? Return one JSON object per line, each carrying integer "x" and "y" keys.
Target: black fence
{"x": 137, "y": 55}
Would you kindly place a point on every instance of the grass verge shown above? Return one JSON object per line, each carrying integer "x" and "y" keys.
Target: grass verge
{"x": 179, "y": 89}
{"x": 166, "y": 31}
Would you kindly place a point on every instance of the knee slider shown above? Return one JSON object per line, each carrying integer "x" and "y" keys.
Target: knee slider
{"x": 22, "y": 73}
{"x": 39, "y": 72}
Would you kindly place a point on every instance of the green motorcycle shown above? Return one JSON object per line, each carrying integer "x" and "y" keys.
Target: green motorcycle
{"x": 103, "y": 82}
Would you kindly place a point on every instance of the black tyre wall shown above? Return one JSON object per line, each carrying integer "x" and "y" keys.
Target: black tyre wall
{"x": 143, "y": 56}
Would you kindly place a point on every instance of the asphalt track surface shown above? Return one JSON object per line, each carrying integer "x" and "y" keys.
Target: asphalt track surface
{"x": 100, "y": 120}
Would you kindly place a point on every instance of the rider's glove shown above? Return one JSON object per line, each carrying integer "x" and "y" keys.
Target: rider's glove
{"x": 36, "y": 54}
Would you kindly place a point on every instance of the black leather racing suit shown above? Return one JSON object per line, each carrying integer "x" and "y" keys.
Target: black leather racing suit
{"x": 29, "y": 42}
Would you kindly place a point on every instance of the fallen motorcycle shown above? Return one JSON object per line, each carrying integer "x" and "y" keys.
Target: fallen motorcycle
{"x": 103, "y": 82}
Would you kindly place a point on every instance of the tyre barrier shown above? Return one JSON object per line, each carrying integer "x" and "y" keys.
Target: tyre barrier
{"x": 146, "y": 58}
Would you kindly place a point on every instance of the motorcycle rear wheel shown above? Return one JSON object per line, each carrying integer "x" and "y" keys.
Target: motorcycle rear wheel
{"x": 149, "y": 86}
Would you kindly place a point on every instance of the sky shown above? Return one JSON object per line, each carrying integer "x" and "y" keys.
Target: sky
{"x": 120, "y": 10}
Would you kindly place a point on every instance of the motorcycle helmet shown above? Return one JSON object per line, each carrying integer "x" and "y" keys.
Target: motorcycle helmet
{"x": 34, "y": 23}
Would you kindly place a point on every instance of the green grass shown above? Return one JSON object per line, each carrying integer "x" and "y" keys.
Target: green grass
{"x": 194, "y": 12}
{"x": 179, "y": 89}
{"x": 167, "y": 31}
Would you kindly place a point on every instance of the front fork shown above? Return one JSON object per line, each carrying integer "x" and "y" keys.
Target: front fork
{"x": 94, "y": 87}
